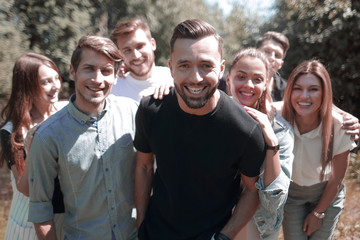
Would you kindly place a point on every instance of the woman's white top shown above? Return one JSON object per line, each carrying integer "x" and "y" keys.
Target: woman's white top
{"x": 307, "y": 152}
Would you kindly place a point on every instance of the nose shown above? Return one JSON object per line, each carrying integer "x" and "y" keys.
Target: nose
{"x": 196, "y": 75}
{"x": 98, "y": 76}
{"x": 136, "y": 53}
{"x": 271, "y": 56}
{"x": 249, "y": 83}
{"x": 305, "y": 94}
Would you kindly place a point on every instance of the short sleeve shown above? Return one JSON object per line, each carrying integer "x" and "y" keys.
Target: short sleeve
{"x": 342, "y": 141}
{"x": 254, "y": 155}
{"x": 141, "y": 141}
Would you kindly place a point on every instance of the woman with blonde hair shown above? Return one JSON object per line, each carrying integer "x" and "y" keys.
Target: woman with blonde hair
{"x": 321, "y": 155}
{"x": 36, "y": 84}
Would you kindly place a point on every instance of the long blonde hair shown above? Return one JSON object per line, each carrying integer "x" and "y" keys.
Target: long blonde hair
{"x": 317, "y": 69}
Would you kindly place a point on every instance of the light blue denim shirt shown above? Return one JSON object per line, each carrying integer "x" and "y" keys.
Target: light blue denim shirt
{"x": 269, "y": 215}
{"x": 95, "y": 160}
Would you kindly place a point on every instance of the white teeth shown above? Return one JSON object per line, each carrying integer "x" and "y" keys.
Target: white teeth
{"x": 195, "y": 90}
{"x": 304, "y": 104}
{"x": 247, "y": 94}
{"x": 94, "y": 89}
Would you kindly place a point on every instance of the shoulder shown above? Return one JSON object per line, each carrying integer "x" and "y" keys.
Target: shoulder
{"x": 235, "y": 116}
{"x": 281, "y": 123}
{"x": 278, "y": 106}
{"x": 8, "y": 127}
{"x": 163, "y": 73}
{"x": 122, "y": 103}
{"x": 60, "y": 104}
{"x": 342, "y": 141}
{"x": 52, "y": 122}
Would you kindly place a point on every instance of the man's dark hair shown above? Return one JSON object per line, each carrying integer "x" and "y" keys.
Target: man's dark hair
{"x": 276, "y": 37}
{"x": 195, "y": 29}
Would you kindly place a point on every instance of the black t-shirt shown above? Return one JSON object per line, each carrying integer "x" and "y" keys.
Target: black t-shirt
{"x": 199, "y": 160}
{"x": 279, "y": 87}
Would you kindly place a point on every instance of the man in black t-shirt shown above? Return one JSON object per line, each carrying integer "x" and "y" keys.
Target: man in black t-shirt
{"x": 205, "y": 145}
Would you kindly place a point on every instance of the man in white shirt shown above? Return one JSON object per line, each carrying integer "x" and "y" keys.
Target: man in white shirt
{"x": 133, "y": 38}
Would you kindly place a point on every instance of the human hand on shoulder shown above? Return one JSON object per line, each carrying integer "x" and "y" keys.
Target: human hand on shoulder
{"x": 351, "y": 126}
{"x": 264, "y": 122}
{"x": 162, "y": 89}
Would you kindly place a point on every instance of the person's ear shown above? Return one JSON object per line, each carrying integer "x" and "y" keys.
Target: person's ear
{"x": 282, "y": 62}
{"x": 222, "y": 68}
{"x": 170, "y": 66}
{"x": 153, "y": 44}
{"x": 72, "y": 73}
{"x": 228, "y": 84}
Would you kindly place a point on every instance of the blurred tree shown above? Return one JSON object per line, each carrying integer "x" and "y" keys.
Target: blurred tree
{"x": 13, "y": 43}
{"x": 327, "y": 30}
{"x": 241, "y": 30}
{"x": 53, "y": 27}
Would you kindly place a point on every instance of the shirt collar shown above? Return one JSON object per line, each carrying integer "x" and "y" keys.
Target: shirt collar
{"x": 81, "y": 116}
{"x": 312, "y": 134}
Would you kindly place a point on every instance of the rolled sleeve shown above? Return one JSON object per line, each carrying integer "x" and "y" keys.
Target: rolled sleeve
{"x": 40, "y": 212}
{"x": 42, "y": 172}
{"x": 269, "y": 215}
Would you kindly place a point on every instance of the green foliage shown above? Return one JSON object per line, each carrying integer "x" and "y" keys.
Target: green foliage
{"x": 53, "y": 27}
{"x": 327, "y": 30}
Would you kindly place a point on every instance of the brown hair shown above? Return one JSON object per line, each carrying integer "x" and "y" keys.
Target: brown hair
{"x": 317, "y": 69}
{"x": 125, "y": 28}
{"x": 276, "y": 37}
{"x": 98, "y": 44}
{"x": 264, "y": 104}
{"x": 25, "y": 89}
{"x": 195, "y": 29}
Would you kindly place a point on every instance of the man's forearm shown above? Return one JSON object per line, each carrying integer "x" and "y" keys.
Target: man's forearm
{"x": 142, "y": 189}
{"x": 46, "y": 230}
{"x": 243, "y": 212}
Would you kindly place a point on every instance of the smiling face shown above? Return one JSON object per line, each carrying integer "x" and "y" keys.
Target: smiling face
{"x": 50, "y": 83}
{"x": 196, "y": 67}
{"x": 93, "y": 78}
{"x": 274, "y": 52}
{"x": 247, "y": 81}
{"x": 306, "y": 96}
{"x": 138, "y": 51}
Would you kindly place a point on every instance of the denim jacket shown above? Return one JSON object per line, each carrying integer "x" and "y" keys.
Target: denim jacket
{"x": 269, "y": 215}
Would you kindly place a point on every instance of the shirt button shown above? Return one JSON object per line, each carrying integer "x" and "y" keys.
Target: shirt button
{"x": 107, "y": 169}
{"x": 109, "y": 191}
{"x": 103, "y": 150}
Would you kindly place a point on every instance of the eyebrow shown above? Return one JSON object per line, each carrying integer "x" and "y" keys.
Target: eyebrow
{"x": 257, "y": 74}
{"x": 314, "y": 85}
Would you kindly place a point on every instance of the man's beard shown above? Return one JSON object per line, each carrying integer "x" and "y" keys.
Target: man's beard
{"x": 195, "y": 102}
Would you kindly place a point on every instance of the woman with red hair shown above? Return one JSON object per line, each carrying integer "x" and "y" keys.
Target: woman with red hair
{"x": 321, "y": 155}
{"x": 36, "y": 84}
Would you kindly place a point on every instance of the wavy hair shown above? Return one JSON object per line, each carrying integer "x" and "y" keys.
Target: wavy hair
{"x": 25, "y": 89}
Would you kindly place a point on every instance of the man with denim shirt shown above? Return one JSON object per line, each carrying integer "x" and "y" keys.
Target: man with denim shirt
{"x": 88, "y": 144}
